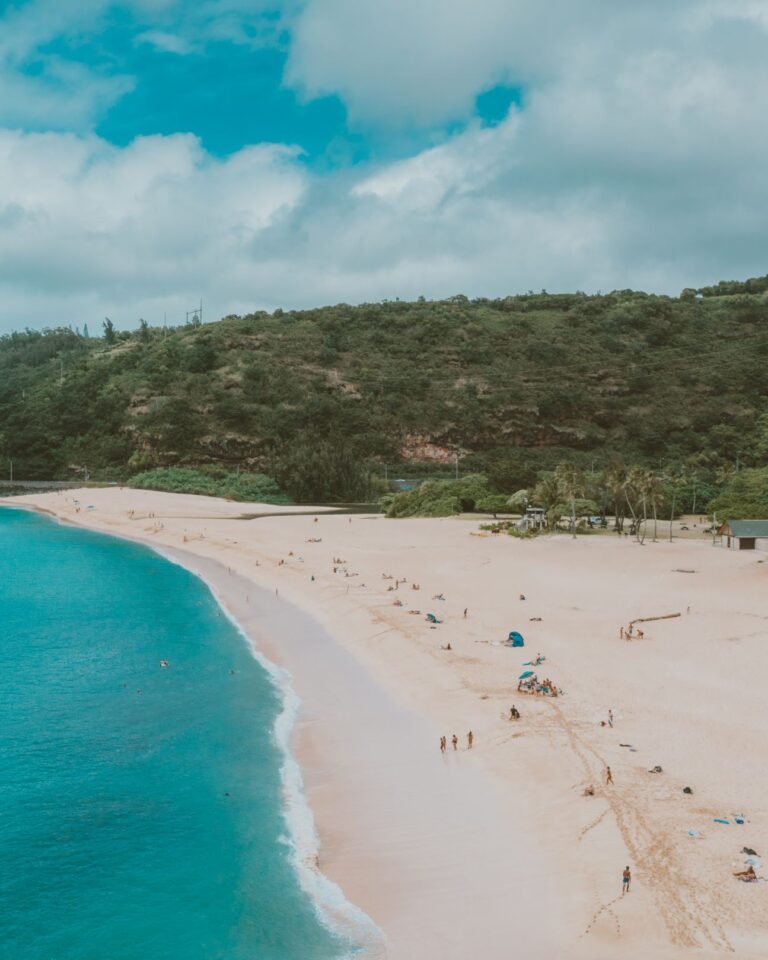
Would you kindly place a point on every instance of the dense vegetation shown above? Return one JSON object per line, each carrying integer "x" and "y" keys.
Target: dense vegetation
{"x": 441, "y": 498}
{"x": 247, "y": 487}
{"x": 744, "y": 497}
{"x": 323, "y": 399}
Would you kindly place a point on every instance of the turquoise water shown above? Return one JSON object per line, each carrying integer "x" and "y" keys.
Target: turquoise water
{"x": 140, "y": 807}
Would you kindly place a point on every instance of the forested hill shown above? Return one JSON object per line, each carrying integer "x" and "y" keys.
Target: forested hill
{"x": 509, "y": 385}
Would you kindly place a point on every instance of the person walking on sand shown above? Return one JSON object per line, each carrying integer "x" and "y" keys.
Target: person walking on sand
{"x": 608, "y": 776}
{"x": 470, "y": 740}
{"x": 610, "y": 718}
{"x": 626, "y": 879}
{"x": 465, "y": 612}
{"x": 455, "y": 742}
{"x": 443, "y": 744}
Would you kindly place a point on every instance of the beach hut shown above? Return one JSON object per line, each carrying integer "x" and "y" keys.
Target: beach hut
{"x": 744, "y": 535}
{"x": 516, "y": 639}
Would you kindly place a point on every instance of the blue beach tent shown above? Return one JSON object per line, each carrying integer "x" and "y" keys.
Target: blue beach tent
{"x": 516, "y": 639}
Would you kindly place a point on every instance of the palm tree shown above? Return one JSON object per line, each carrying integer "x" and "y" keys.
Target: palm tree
{"x": 613, "y": 481}
{"x": 571, "y": 483}
{"x": 636, "y": 487}
{"x": 655, "y": 495}
{"x": 546, "y": 494}
{"x": 675, "y": 479}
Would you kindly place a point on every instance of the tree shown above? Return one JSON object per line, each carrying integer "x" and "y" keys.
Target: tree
{"x": 655, "y": 496}
{"x": 315, "y": 470}
{"x": 571, "y": 483}
{"x": 613, "y": 482}
{"x": 202, "y": 357}
{"x": 761, "y": 445}
{"x": 546, "y": 494}
{"x": 643, "y": 488}
{"x": 635, "y": 484}
{"x": 110, "y": 335}
{"x": 143, "y": 331}
{"x": 518, "y": 502}
{"x": 675, "y": 480}
{"x": 745, "y": 497}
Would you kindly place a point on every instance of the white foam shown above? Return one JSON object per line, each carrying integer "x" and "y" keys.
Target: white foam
{"x": 333, "y": 909}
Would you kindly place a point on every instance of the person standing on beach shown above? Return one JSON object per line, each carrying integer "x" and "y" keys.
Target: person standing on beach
{"x": 626, "y": 879}
{"x": 465, "y": 612}
{"x": 443, "y": 744}
{"x": 608, "y": 776}
{"x": 470, "y": 739}
{"x": 455, "y": 742}
{"x": 610, "y": 718}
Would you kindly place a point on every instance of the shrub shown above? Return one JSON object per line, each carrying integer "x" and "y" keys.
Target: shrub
{"x": 440, "y": 498}
{"x": 247, "y": 487}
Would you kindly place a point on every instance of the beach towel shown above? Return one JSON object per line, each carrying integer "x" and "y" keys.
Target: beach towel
{"x": 722, "y": 820}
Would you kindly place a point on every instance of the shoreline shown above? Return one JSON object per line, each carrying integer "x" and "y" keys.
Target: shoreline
{"x": 496, "y": 850}
{"x": 333, "y": 909}
{"x": 464, "y": 808}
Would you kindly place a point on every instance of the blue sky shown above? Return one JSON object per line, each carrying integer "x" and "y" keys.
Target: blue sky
{"x": 261, "y": 154}
{"x": 228, "y": 89}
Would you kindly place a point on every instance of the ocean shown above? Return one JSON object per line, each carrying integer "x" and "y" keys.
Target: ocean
{"x": 142, "y": 808}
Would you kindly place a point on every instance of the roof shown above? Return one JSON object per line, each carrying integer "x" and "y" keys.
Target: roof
{"x": 748, "y": 528}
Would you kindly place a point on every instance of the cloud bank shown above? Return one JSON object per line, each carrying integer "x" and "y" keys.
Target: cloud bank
{"x": 637, "y": 158}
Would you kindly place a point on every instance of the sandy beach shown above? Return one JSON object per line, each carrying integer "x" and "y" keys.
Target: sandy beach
{"x": 497, "y": 851}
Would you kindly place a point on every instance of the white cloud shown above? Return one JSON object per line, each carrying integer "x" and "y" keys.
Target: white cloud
{"x": 87, "y": 228}
{"x": 637, "y": 159}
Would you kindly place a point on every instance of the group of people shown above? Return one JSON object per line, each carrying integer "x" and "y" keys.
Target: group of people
{"x": 545, "y": 688}
{"x": 455, "y": 742}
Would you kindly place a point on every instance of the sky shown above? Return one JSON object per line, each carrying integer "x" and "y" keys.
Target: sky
{"x": 255, "y": 154}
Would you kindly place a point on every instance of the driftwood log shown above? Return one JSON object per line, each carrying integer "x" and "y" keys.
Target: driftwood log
{"x": 666, "y": 616}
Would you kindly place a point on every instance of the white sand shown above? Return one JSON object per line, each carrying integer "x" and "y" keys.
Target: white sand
{"x": 497, "y": 852}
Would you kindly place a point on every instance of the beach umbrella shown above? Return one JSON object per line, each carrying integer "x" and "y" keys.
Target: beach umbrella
{"x": 525, "y": 674}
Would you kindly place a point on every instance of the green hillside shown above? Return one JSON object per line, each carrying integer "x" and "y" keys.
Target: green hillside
{"x": 509, "y": 386}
